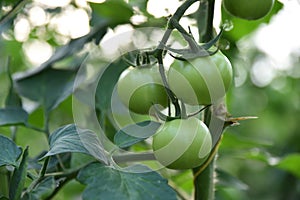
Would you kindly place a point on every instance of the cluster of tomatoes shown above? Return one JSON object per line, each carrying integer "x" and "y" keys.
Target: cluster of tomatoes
{"x": 184, "y": 143}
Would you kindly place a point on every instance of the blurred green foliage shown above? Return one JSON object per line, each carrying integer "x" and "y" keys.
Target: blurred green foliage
{"x": 259, "y": 159}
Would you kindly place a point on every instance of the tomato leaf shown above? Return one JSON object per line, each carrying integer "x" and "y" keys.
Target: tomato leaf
{"x": 9, "y": 153}
{"x": 107, "y": 82}
{"x": 290, "y": 163}
{"x": 49, "y": 87}
{"x": 70, "y": 138}
{"x": 68, "y": 49}
{"x": 108, "y": 183}
{"x": 18, "y": 179}
{"x": 12, "y": 99}
{"x": 42, "y": 190}
{"x": 142, "y": 5}
{"x": 134, "y": 133}
{"x": 13, "y": 116}
{"x": 227, "y": 180}
{"x": 121, "y": 12}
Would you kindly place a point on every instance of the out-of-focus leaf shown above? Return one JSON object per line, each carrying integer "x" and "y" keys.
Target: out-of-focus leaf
{"x": 9, "y": 1}
{"x": 185, "y": 180}
{"x": 227, "y": 180}
{"x": 135, "y": 133}
{"x": 9, "y": 153}
{"x": 108, "y": 183}
{"x": 18, "y": 179}
{"x": 235, "y": 142}
{"x": 42, "y": 190}
{"x": 13, "y": 116}
{"x": 142, "y": 5}
{"x": 258, "y": 155}
{"x": 48, "y": 87}
{"x": 115, "y": 11}
{"x": 70, "y": 138}
{"x": 71, "y": 48}
{"x": 107, "y": 82}
{"x": 290, "y": 163}
{"x": 12, "y": 99}
{"x": 243, "y": 27}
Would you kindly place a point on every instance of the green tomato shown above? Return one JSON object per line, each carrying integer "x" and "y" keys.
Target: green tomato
{"x": 201, "y": 81}
{"x": 140, "y": 88}
{"x": 182, "y": 143}
{"x": 248, "y": 9}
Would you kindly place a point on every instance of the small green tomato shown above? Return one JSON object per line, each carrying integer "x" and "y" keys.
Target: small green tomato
{"x": 201, "y": 81}
{"x": 140, "y": 88}
{"x": 182, "y": 143}
{"x": 248, "y": 9}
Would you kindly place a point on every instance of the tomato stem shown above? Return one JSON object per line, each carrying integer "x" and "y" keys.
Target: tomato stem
{"x": 4, "y": 180}
{"x": 170, "y": 94}
{"x": 204, "y": 177}
{"x": 205, "y": 16}
{"x": 134, "y": 157}
{"x": 158, "y": 51}
{"x": 199, "y": 111}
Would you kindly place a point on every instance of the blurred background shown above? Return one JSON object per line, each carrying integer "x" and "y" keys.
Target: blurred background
{"x": 259, "y": 159}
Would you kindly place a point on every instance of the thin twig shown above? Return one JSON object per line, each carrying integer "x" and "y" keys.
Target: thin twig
{"x": 199, "y": 111}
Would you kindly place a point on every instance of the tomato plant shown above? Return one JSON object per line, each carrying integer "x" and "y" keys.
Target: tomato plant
{"x": 201, "y": 81}
{"x": 64, "y": 130}
{"x": 140, "y": 88}
{"x": 250, "y": 10}
{"x": 182, "y": 143}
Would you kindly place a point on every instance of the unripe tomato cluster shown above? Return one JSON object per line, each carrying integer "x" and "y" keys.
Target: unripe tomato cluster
{"x": 179, "y": 143}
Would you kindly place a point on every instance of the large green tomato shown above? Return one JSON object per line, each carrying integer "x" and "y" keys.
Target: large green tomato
{"x": 201, "y": 81}
{"x": 140, "y": 88}
{"x": 248, "y": 9}
{"x": 182, "y": 143}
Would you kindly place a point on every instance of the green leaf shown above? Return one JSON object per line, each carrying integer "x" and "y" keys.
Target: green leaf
{"x": 142, "y": 5}
{"x": 13, "y": 116}
{"x": 18, "y": 178}
{"x": 108, "y": 183}
{"x": 70, "y": 138}
{"x": 227, "y": 180}
{"x": 9, "y": 153}
{"x": 290, "y": 163}
{"x": 3, "y": 198}
{"x": 238, "y": 142}
{"x": 107, "y": 82}
{"x": 242, "y": 27}
{"x": 42, "y": 190}
{"x": 10, "y": 1}
{"x": 116, "y": 11}
{"x": 79, "y": 160}
{"x": 48, "y": 87}
{"x": 135, "y": 133}
{"x": 12, "y": 99}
